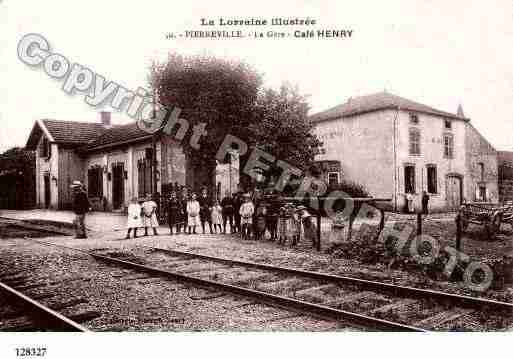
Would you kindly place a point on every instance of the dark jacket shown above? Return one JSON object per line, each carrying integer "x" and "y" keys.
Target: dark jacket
{"x": 174, "y": 210}
{"x": 237, "y": 202}
{"x": 227, "y": 205}
{"x": 80, "y": 202}
{"x": 205, "y": 204}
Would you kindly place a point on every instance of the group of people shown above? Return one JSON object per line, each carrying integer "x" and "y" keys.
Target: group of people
{"x": 188, "y": 212}
{"x": 142, "y": 216}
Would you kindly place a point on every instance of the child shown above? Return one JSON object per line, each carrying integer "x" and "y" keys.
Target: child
{"x": 246, "y": 213}
{"x": 174, "y": 213}
{"x": 227, "y": 212}
{"x": 193, "y": 209}
{"x": 134, "y": 217}
{"x": 149, "y": 209}
{"x": 205, "y": 215}
{"x": 217, "y": 217}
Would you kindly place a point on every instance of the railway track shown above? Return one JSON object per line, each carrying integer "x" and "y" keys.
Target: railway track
{"x": 19, "y": 312}
{"x": 373, "y": 305}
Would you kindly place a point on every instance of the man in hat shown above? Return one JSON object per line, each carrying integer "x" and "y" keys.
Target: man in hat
{"x": 81, "y": 206}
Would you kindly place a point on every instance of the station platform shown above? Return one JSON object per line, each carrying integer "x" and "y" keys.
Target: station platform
{"x": 95, "y": 221}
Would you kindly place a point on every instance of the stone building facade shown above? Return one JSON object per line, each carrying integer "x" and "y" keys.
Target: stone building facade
{"x": 115, "y": 162}
{"x": 394, "y": 146}
{"x": 505, "y": 159}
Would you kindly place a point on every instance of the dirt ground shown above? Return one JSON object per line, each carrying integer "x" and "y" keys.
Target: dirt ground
{"x": 440, "y": 226}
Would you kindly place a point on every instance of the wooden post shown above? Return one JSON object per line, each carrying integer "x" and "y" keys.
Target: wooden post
{"x": 419, "y": 224}
{"x": 350, "y": 229}
{"x": 318, "y": 244}
{"x": 458, "y": 232}
{"x": 381, "y": 223}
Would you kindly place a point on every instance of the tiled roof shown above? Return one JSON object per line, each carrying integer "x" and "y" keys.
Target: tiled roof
{"x": 72, "y": 132}
{"x": 375, "y": 102}
{"x": 85, "y": 135}
{"x": 117, "y": 134}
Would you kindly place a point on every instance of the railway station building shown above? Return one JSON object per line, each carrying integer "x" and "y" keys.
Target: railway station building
{"x": 394, "y": 146}
{"x": 113, "y": 161}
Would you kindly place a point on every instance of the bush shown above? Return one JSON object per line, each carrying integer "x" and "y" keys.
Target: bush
{"x": 353, "y": 189}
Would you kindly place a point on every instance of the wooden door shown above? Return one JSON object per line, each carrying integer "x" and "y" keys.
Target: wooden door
{"x": 454, "y": 192}
{"x": 47, "y": 191}
{"x": 118, "y": 185}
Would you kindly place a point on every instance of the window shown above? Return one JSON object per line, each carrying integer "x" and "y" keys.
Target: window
{"x": 414, "y": 142}
{"x": 333, "y": 178}
{"x": 409, "y": 179}
{"x": 481, "y": 170}
{"x": 144, "y": 177}
{"x": 45, "y": 149}
{"x": 482, "y": 193}
{"x": 414, "y": 119}
{"x": 448, "y": 146}
{"x": 432, "y": 185}
{"x": 95, "y": 181}
{"x": 448, "y": 124}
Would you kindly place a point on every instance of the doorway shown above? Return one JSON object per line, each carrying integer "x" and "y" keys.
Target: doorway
{"x": 118, "y": 185}
{"x": 454, "y": 191}
{"x": 47, "y": 192}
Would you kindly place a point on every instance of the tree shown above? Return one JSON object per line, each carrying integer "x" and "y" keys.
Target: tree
{"x": 13, "y": 151}
{"x": 229, "y": 98}
{"x": 218, "y": 92}
{"x": 281, "y": 128}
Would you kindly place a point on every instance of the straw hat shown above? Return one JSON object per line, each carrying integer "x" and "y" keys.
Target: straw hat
{"x": 75, "y": 184}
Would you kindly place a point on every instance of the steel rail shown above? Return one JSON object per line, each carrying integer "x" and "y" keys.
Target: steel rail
{"x": 396, "y": 289}
{"x": 275, "y": 300}
{"x": 58, "y": 320}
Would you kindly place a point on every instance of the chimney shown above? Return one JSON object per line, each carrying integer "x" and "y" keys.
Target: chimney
{"x": 105, "y": 118}
{"x": 460, "y": 112}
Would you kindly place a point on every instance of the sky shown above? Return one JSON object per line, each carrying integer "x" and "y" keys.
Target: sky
{"x": 440, "y": 53}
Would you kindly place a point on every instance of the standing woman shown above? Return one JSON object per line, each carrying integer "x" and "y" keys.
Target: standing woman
{"x": 193, "y": 210}
{"x": 134, "y": 220}
{"x": 174, "y": 209}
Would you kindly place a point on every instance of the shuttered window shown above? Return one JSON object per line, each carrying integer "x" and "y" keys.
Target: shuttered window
{"x": 95, "y": 181}
{"x": 144, "y": 177}
{"x": 45, "y": 148}
{"x": 432, "y": 185}
{"x": 448, "y": 146}
{"x": 414, "y": 141}
{"x": 409, "y": 179}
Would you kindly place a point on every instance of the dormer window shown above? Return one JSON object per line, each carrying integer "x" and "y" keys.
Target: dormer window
{"x": 414, "y": 119}
{"x": 448, "y": 124}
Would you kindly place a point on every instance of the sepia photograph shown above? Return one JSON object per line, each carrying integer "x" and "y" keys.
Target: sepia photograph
{"x": 291, "y": 177}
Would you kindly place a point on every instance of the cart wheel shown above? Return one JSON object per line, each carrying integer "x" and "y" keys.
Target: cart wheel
{"x": 494, "y": 225}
